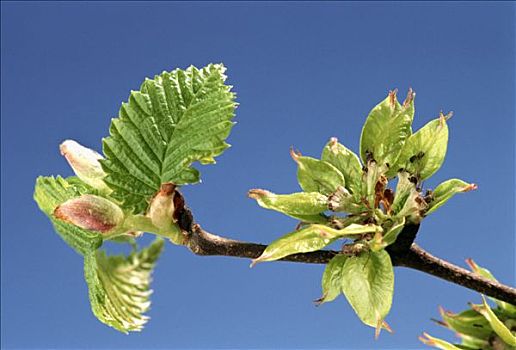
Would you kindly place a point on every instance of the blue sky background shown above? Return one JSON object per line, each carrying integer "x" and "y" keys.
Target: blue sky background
{"x": 303, "y": 72}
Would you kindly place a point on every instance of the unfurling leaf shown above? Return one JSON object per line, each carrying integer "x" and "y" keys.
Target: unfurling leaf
{"x": 85, "y": 163}
{"x": 343, "y": 201}
{"x": 309, "y": 239}
{"x": 346, "y": 162}
{"x": 302, "y": 205}
{"x": 386, "y": 129}
{"x": 424, "y": 151}
{"x": 438, "y": 343}
{"x": 404, "y": 189}
{"x": 509, "y": 309}
{"x": 498, "y": 326}
{"x": 49, "y": 193}
{"x": 468, "y": 322}
{"x": 446, "y": 190}
{"x": 92, "y": 213}
{"x": 389, "y": 237}
{"x": 332, "y": 279}
{"x": 119, "y": 286}
{"x": 177, "y": 118}
{"x": 368, "y": 283}
{"x": 315, "y": 175}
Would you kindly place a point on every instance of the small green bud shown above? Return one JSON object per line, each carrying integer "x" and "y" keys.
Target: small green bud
{"x": 161, "y": 209}
{"x": 91, "y": 212}
{"x": 85, "y": 163}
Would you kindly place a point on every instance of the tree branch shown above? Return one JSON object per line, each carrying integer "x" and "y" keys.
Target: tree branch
{"x": 403, "y": 252}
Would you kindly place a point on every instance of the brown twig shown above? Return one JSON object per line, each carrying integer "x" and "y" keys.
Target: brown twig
{"x": 403, "y": 252}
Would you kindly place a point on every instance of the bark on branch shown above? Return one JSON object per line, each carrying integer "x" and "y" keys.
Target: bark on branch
{"x": 403, "y": 252}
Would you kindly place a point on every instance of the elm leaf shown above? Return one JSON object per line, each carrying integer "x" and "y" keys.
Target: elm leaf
{"x": 468, "y": 322}
{"x": 346, "y": 162}
{"x": 51, "y": 192}
{"x": 309, "y": 239}
{"x": 498, "y": 326}
{"x": 119, "y": 286}
{"x": 445, "y": 190}
{"x": 332, "y": 279}
{"x": 175, "y": 119}
{"x": 437, "y": 343}
{"x": 423, "y": 153}
{"x": 301, "y": 205}
{"x": 368, "y": 284}
{"x": 386, "y": 129}
{"x": 507, "y": 308}
{"x": 315, "y": 175}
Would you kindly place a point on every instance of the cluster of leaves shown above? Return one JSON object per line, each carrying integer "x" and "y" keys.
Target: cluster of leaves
{"x": 173, "y": 120}
{"x": 347, "y": 197}
{"x": 481, "y": 326}
{"x": 184, "y": 116}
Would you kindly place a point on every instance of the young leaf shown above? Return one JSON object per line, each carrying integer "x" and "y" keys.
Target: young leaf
{"x": 424, "y": 151}
{"x": 309, "y": 239}
{"x": 498, "y": 326}
{"x": 507, "y": 308}
{"x": 444, "y": 191}
{"x": 468, "y": 322}
{"x": 297, "y": 205}
{"x": 175, "y": 119}
{"x": 332, "y": 279}
{"x": 343, "y": 201}
{"x": 49, "y": 193}
{"x": 346, "y": 162}
{"x": 386, "y": 129}
{"x": 119, "y": 286}
{"x": 404, "y": 189}
{"x": 368, "y": 284}
{"x": 437, "y": 343}
{"x": 315, "y": 175}
{"x": 381, "y": 241}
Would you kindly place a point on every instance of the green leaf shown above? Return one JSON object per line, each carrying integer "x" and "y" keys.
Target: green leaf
{"x": 368, "y": 283}
{"x": 381, "y": 241}
{"x": 177, "y": 118}
{"x": 300, "y": 205}
{"x": 446, "y": 190}
{"x": 343, "y": 201}
{"x": 49, "y": 193}
{"x": 505, "y": 307}
{"x": 404, "y": 190}
{"x": 309, "y": 239}
{"x": 498, "y": 326}
{"x": 346, "y": 162}
{"x": 437, "y": 343}
{"x": 386, "y": 129}
{"x": 472, "y": 342}
{"x": 332, "y": 279}
{"x": 119, "y": 286}
{"x": 468, "y": 322}
{"x": 408, "y": 201}
{"x": 424, "y": 151}
{"x": 315, "y": 175}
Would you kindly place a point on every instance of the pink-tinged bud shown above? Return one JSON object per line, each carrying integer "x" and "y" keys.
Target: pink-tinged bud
{"x": 161, "y": 209}
{"x": 85, "y": 163}
{"x": 91, "y": 213}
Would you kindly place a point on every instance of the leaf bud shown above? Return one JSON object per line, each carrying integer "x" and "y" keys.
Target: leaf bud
{"x": 85, "y": 163}
{"x": 161, "y": 209}
{"x": 91, "y": 212}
